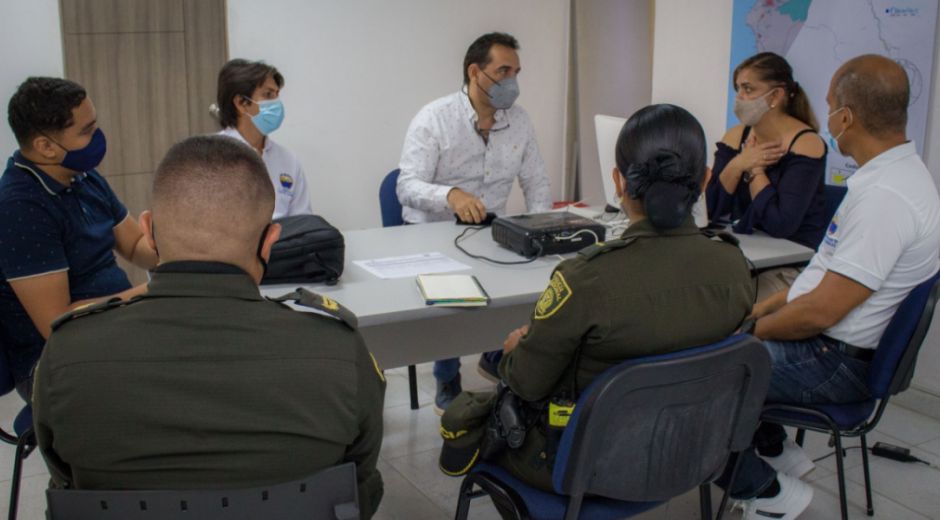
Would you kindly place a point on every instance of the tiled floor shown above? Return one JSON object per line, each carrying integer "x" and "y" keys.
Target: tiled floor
{"x": 416, "y": 490}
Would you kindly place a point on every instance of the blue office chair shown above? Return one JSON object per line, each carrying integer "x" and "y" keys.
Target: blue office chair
{"x": 834, "y": 196}
{"x": 391, "y": 216}
{"x": 22, "y": 436}
{"x": 890, "y": 373}
{"x": 643, "y": 432}
{"x": 388, "y": 201}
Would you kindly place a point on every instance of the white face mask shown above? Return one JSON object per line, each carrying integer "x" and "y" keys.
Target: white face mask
{"x": 750, "y": 111}
{"x": 835, "y": 138}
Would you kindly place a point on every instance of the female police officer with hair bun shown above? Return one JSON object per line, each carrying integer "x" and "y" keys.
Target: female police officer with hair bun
{"x": 662, "y": 286}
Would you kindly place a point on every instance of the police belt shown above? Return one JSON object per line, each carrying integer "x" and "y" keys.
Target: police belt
{"x": 863, "y": 354}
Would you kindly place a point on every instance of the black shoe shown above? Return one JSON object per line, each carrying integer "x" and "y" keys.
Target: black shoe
{"x": 446, "y": 392}
{"x": 488, "y": 369}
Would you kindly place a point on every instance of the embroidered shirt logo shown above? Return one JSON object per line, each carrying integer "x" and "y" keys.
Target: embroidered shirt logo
{"x": 831, "y": 239}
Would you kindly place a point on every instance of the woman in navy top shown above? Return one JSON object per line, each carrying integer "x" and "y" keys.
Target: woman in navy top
{"x": 769, "y": 171}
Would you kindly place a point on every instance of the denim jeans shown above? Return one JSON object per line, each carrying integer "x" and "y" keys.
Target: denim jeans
{"x": 447, "y": 369}
{"x": 810, "y": 371}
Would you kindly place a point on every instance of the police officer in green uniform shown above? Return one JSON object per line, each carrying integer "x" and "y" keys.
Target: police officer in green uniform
{"x": 663, "y": 286}
{"x": 202, "y": 382}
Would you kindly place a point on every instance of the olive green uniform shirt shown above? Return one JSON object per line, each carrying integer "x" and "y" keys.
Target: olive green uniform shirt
{"x": 652, "y": 292}
{"x": 203, "y": 383}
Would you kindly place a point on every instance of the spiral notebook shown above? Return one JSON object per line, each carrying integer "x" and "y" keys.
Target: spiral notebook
{"x": 452, "y": 290}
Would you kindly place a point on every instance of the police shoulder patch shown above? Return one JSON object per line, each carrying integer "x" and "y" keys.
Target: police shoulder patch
{"x": 554, "y": 297}
{"x": 599, "y": 248}
{"x": 318, "y": 302}
{"x": 91, "y": 308}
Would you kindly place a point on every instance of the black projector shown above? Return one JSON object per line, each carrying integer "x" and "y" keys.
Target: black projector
{"x": 552, "y": 233}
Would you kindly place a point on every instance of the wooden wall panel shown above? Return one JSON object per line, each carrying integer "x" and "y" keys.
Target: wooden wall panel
{"x": 206, "y": 52}
{"x": 150, "y": 67}
{"x": 121, "y": 16}
{"x": 138, "y": 188}
{"x": 142, "y": 103}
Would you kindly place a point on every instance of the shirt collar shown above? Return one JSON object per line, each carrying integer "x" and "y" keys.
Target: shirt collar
{"x": 645, "y": 228}
{"x": 52, "y": 186}
{"x": 233, "y": 132}
{"x": 197, "y": 279}
{"x": 471, "y": 114}
{"x": 880, "y": 161}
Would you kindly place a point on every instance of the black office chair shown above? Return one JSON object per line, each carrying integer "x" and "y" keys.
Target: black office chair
{"x": 391, "y": 216}
{"x": 330, "y": 494}
{"x": 890, "y": 373}
{"x": 22, "y": 436}
{"x": 645, "y": 431}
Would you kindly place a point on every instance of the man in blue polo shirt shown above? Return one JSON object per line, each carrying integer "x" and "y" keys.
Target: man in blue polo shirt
{"x": 59, "y": 220}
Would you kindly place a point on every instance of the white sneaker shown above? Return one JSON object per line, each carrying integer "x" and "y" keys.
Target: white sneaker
{"x": 793, "y": 461}
{"x": 794, "y": 497}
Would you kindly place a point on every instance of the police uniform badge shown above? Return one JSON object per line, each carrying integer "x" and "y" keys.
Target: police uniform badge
{"x": 554, "y": 297}
{"x": 287, "y": 182}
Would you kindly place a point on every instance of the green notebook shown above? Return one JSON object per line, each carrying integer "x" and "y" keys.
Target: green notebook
{"x": 452, "y": 290}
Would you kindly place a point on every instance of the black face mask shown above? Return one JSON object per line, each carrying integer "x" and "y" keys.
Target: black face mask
{"x": 264, "y": 263}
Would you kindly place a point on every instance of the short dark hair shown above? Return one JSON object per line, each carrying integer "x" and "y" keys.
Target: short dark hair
{"x": 241, "y": 77}
{"x": 43, "y": 105}
{"x": 479, "y": 50}
{"x": 208, "y": 163}
{"x": 661, "y": 153}
{"x": 878, "y": 96}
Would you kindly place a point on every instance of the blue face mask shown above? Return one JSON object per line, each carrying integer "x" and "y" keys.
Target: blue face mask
{"x": 270, "y": 115}
{"x": 87, "y": 158}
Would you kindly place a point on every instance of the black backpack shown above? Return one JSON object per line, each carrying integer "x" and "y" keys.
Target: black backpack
{"x": 310, "y": 250}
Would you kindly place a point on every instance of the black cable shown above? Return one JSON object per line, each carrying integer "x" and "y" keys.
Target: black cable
{"x": 824, "y": 457}
{"x": 914, "y": 459}
{"x": 460, "y": 248}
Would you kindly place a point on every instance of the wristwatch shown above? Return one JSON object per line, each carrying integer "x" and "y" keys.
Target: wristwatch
{"x": 747, "y": 177}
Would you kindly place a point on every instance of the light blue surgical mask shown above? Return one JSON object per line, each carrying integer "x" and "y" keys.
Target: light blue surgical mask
{"x": 270, "y": 115}
{"x": 835, "y": 138}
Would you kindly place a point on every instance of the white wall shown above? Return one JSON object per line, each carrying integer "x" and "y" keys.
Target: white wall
{"x": 613, "y": 48}
{"x": 927, "y": 376}
{"x": 691, "y": 65}
{"x": 357, "y": 71}
{"x": 691, "y": 55}
{"x": 30, "y": 45}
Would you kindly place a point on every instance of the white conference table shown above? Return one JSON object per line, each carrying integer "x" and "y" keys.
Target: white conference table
{"x": 401, "y": 330}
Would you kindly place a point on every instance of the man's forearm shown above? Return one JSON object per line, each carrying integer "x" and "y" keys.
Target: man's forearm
{"x": 137, "y": 290}
{"x": 795, "y": 321}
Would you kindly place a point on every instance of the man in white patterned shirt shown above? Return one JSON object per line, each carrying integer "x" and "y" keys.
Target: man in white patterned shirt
{"x": 462, "y": 154}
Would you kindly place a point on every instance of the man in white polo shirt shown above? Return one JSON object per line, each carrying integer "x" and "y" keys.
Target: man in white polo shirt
{"x": 883, "y": 241}
{"x": 462, "y": 154}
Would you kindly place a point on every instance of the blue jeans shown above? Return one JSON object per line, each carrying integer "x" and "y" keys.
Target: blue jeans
{"x": 802, "y": 372}
{"x": 446, "y": 370}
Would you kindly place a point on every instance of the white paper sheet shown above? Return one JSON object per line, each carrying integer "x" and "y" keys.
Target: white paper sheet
{"x": 411, "y": 265}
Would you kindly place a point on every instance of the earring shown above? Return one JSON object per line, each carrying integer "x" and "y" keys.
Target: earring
{"x": 773, "y": 106}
